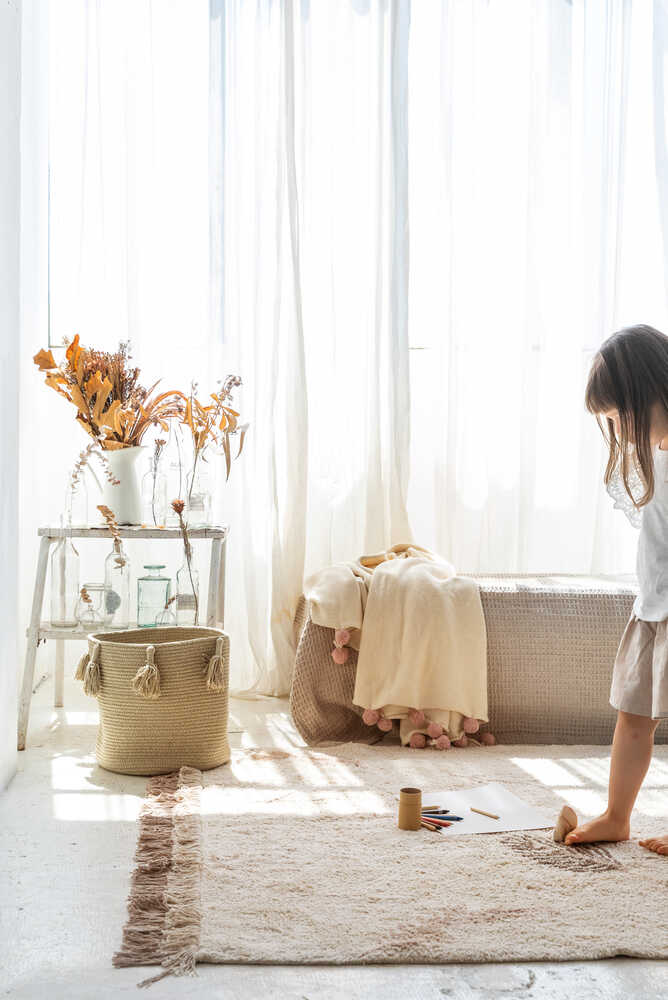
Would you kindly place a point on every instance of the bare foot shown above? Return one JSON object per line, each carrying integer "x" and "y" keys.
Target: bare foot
{"x": 658, "y": 844}
{"x": 603, "y": 828}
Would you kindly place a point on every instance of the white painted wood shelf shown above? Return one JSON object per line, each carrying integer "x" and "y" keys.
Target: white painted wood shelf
{"x": 39, "y": 630}
{"x": 133, "y": 531}
{"x": 49, "y": 631}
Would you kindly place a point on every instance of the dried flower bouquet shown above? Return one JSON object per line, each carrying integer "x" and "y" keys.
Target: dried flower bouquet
{"x": 112, "y": 406}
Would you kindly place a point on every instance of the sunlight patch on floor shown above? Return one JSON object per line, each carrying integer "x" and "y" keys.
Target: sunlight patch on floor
{"x": 96, "y": 807}
{"x": 548, "y": 772}
{"x": 217, "y": 800}
{"x": 81, "y": 718}
{"x": 71, "y": 774}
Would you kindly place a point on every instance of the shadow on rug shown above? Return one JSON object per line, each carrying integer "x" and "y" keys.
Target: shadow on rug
{"x": 294, "y": 856}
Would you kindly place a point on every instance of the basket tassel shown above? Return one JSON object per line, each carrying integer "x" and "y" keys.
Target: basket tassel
{"x": 81, "y": 667}
{"x": 92, "y": 678}
{"x": 146, "y": 681}
{"x": 215, "y": 674}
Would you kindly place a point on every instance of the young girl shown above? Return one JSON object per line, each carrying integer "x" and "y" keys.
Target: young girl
{"x": 628, "y": 392}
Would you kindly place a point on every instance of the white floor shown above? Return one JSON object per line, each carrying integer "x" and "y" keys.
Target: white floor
{"x": 67, "y": 837}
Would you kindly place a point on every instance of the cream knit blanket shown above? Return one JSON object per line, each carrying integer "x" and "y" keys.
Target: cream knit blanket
{"x": 420, "y": 632}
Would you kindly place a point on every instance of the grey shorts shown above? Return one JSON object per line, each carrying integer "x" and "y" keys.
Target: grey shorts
{"x": 640, "y": 674}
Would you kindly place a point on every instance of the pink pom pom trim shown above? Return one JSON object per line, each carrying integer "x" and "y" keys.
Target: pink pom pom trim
{"x": 416, "y": 716}
{"x": 442, "y": 743}
{"x": 461, "y": 742}
{"x": 418, "y": 741}
{"x": 488, "y": 739}
{"x": 471, "y": 725}
{"x": 370, "y": 716}
{"x": 340, "y": 655}
{"x": 342, "y": 637}
{"x": 435, "y": 730}
{"x": 385, "y": 725}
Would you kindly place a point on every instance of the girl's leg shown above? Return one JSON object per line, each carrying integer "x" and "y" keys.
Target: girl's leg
{"x": 631, "y": 755}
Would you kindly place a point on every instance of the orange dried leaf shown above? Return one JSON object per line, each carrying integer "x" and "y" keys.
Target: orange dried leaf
{"x": 44, "y": 360}
{"x": 73, "y": 352}
{"x": 110, "y": 417}
{"x": 101, "y": 389}
{"x": 55, "y": 380}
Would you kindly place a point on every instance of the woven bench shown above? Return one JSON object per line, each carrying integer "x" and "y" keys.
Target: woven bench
{"x": 551, "y": 643}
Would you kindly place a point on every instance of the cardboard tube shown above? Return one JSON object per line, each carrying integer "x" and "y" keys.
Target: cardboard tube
{"x": 410, "y": 808}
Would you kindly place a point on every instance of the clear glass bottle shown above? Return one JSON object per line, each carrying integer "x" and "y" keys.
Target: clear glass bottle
{"x": 153, "y": 592}
{"x": 198, "y": 497}
{"x": 176, "y": 477}
{"x": 91, "y": 606}
{"x": 76, "y": 504}
{"x": 154, "y": 495}
{"x": 187, "y": 594}
{"x": 167, "y": 617}
{"x": 64, "y": 583}
{"x": 117, "y": 587}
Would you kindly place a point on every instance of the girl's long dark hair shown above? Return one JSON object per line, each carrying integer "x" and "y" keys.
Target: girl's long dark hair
{"x": 629, "y": 374}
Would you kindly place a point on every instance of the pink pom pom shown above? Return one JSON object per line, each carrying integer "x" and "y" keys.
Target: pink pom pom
{"x": 471, "y": 725}
{"x": 370, "y": 716}
{"x": 340, "y": 655}
{"x": 488, "y": 739}
{"x": 418, "y": 741}
{"x": 342, "y": 637}
{"x": 435, "y": 730}
{"x": 461, "y": 742}
{"x": 442, "y": 743}
{"x": 416, "y": 716}
{"x": 385, "y": 725}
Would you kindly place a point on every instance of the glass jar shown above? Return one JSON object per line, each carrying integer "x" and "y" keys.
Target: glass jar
{"x": 64, "y": 584}
{"x": 117, "y": 584}
{"x": 91, "y": 606}
{"x": 198, "y": 498}
{"x": 153, "y": 592}
{"x": 187, "y": 594}
{"x": 154, "y": 496}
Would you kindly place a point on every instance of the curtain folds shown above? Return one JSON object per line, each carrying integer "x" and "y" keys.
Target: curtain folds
{"x": 310, "y": 271}
{"x": 407, "y": 226}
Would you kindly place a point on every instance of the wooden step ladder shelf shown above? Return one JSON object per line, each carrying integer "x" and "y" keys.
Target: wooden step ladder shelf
{"x": 40, "y": 630}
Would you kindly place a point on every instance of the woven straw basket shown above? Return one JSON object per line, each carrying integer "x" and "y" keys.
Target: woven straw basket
{"x": 163, "y": 697}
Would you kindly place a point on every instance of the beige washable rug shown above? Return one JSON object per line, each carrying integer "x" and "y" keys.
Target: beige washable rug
{"x": 294, "y": 856}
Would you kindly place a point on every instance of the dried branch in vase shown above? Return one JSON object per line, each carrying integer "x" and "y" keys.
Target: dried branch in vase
{"x": 214, "y": 424}
{"x": 110, "y": 519}
{"x": 111, "y": 404}
{"x": 84, "y": 460}
{"x": 178, "y": 506}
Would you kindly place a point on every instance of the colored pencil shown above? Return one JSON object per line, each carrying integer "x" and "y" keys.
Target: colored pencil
{"x": 431, "y": 808}
{"x": 430, "y": 826}
{"x": 483, "y": 813}
{"x": 449, "y": 816}
{"x": 437, "y": 822}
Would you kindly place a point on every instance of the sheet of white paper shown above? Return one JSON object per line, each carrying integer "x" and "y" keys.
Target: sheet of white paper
{"x": 513, "y": 813}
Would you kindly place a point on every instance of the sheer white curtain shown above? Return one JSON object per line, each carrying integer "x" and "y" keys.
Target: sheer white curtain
{"x": 309, "y": 264}
{"x": 534, "y": 234}
{"x": 407, "y": 228}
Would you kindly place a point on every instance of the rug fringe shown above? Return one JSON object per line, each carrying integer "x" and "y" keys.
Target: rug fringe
{"x": 164, "y": 912}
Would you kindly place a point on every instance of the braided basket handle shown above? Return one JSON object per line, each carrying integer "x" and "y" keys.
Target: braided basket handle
{"x": 146, "y": 682}
{"x": 88, "y": 670}
{"x": 217, "y": 669}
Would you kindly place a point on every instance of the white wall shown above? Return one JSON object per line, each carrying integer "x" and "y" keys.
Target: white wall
{"x": 10, "y": 75}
